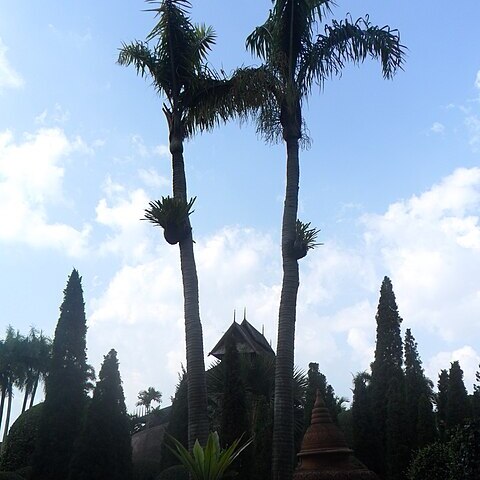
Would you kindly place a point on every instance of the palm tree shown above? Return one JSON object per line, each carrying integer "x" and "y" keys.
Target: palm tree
{"x": 296, "y": 58}
{"x": 196, "y": 99}
{"x": 12, "y": 367}
{"x": 146, "y": 397}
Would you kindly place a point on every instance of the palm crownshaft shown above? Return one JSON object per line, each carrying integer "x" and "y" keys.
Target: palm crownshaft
{"x": 295, "y": 59}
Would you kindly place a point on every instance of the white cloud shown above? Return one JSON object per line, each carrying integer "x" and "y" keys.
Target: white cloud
{"x": 477, "y": 80}
{"x": 9, "y": 78}
{"x": 437, "y": 127}
{"x": 422, "y": 243}
{"x": 472, "y": 122}
{"x": 31, "y": 178}
{"x": 151, "y": 178}
{"x": 122, "y": 211}
{"x": 425, "y": 242}
{"x": 468, "y": 358}
{"x": 58, "y": 115}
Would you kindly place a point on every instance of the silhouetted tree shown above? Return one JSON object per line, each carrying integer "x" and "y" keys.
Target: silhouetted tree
{"x": 386, "y": 366}
{"x": 318, "y": 381}
{"x": 426, "y": 432}
{"x": 397, "y": 451}
{"x": 363, "y": 436}
{"x": 458, "y": 405}
{"x": 442, "y": 398}
{"x": 234, "y": 417}
{"x": 416, "y": 386}
{"x": 104, "y": 447}
{"x": 66, "y": 385}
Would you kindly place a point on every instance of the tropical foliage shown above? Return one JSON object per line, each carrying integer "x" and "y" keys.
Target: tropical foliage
{"x": 147, "y": 397}
{"x": 210, "y": 462}
{"x": 295, "y": 58}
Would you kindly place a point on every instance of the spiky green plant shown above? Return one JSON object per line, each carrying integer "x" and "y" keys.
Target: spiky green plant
{"x": 171, "y": 214}
{"x": 211, "y": 462}
{"x": 305, "y": 239}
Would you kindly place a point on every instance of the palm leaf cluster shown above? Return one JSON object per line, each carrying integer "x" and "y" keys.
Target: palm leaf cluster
{"x": 24, "y": 362}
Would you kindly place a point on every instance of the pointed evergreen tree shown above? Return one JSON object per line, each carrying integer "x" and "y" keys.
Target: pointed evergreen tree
{"x": 476, "y": 398}
{"x": 442, "y": 397}
{"x": 65, "y": 393}
{"x": 363, "y": 436}
{"x": 386, "y": 366}
{"x": 318, "y": 381}
{"x": 425, "y": 432}
{"x": 234, "y": 417}
{"x": 458, "y": 405}
{"x": 104, "y": 447}
{"x": 416, "y": 386}
{"x": 397, "y": 451}
{"x": 234, "y": 421}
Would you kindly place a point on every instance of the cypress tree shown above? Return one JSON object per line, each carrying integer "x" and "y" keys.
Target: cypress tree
{"x": 416, "y": 386}
{"x": 386, "y": 366}
{"x": 458, "y": 405}
{"x": 234, "y": 419}
{"x": 65, "y": 389}
{"x": 425, "y": 432}
{"x": 363, "y": 437}
{"x": 397, "y": 451}
{"x": 234, "y": 416}
{"x": 442, "y": 397}
{"x": 318, "y": 381}
{"x": 476, "y": 398}
{"x": 104, "y": 447}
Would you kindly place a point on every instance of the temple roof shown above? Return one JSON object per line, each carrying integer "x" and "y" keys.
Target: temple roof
{"x": 247, "y": 339}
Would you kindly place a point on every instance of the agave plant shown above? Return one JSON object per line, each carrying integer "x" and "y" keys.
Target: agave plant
{"x": 305, "y": 239}
{"x": 172, "y": 215}
{"x": 211, "y": 462}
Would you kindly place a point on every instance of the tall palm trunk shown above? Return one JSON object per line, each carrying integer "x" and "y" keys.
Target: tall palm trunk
{"x": 7, "y": 419}
{"x": 196, "y": 383}
{"x": 34, "y": 391}
{"x": 283, "y": 426}
{"x": 2, "y": 405}
{"x": 25, "y": 399}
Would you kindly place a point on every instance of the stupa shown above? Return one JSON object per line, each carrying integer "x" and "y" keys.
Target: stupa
{"x": 324, "y": 454}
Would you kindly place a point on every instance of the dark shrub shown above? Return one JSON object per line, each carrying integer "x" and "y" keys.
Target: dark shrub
{"x": 21, "y": 440}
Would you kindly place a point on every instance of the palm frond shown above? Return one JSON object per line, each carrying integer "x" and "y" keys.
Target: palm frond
{"x": 206, "y": 37}
{"x": 351, "y": 41}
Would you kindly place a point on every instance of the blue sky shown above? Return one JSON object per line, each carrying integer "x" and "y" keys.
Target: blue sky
{"x": 392, "y": 179}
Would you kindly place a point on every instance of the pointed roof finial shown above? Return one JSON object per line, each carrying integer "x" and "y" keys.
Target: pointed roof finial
{"x": 234, "y": 312}
{"x": 263, "y": 329}
{"x": 244, "y": 313}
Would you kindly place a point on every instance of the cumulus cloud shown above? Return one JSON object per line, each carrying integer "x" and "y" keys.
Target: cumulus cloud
{"x": 422, "y": 243}
{"x": 9, "y": 77}
{"x": 31, "y": 178}
{"x": 437, "y": 127}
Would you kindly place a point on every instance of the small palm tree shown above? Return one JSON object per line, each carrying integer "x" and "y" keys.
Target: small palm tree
{"x": 146, "y": 397}
{"x": 295, "y": 58}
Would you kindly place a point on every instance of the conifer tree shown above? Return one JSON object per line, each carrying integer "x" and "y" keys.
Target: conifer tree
{"x": 425, "y": 432}
{"x": 234, "y": 417}
{"x": 363, "y": 437}
{"x": 442, "y": 397}
{"x": 65, "y": 390}
{"x": 386, "y": 366}
{"x": 397, "y": 451}
{"x": 416, "y": 386}
{"x": 458, "y": 405}
{"x": 104, "y": 447}
{"x": 476, "y": 397}
{"x": 318, "y": 381}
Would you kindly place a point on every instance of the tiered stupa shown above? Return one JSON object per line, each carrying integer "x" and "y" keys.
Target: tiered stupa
{"x": 325, "y": 454}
